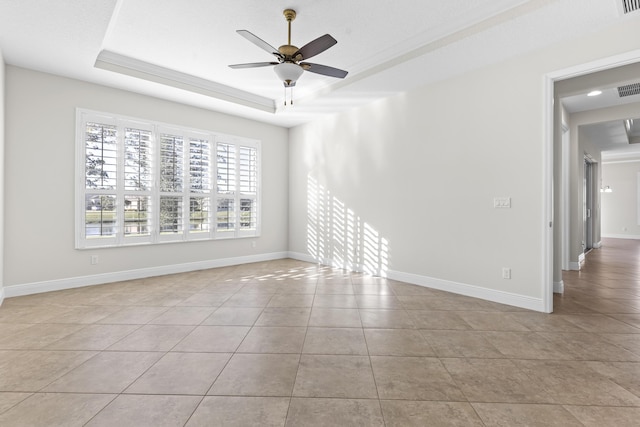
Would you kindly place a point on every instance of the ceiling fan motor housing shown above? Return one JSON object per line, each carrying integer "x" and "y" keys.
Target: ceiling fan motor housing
{"x": 288, "y": 51}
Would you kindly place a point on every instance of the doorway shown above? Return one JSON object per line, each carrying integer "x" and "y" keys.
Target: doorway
{"x": 554, "y": 245}
{"x": 588, "y": 205}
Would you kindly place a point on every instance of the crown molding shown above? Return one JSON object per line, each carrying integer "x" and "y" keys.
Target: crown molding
{"x": 622, "y": 157}
{"x": 112, "y": 61}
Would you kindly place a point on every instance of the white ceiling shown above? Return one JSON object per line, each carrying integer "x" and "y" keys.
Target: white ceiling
{"x": 608, "y": 98}
{"x": 611, "y": 137}
{"x": 179, "y": 50}
{"x": 615, "y": 143}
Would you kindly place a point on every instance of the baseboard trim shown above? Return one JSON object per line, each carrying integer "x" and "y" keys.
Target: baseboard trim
{"x": 576, "y": 266}
{"x": 308, "y": 258}
{"x": 474, "y": 291}
{"x": 597, "y": 245}
{"x": 100, "y": 279}
{"x": 558, "y": 287}
{"x": 359, "y": 268}
{"x": 622, "y": 236}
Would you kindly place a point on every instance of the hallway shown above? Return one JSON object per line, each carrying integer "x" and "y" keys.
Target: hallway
{"x": 608, "y": 283}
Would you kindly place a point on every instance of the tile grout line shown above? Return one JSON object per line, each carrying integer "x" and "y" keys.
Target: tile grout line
{"x": 295, "y": 379}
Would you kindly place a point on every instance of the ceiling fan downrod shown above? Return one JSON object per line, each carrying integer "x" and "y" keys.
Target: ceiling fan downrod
{"x": 288, "y": 50}
{"x": 289, "y": 15}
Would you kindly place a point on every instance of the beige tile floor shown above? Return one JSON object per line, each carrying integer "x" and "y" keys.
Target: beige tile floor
{"x": 291, "y": 343}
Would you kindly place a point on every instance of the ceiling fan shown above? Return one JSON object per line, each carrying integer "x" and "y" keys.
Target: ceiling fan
{"x": 289, "y": 66}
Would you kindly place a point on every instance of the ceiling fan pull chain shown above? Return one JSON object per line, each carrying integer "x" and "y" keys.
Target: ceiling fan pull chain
{"x": 290, "y": 95}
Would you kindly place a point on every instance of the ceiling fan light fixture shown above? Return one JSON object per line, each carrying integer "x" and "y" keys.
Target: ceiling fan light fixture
{"x": 288, "y": 72}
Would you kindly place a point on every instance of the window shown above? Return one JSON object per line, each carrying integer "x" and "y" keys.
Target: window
{"x": 145, "y": 182}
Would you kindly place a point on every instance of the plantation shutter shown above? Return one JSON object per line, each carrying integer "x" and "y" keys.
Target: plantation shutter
{"x": 140, "y": 182}
{"x": 200, "y": 165}
{"x": 100, "y": 173}
{"x": 171, "y": 215}
{"x": 248, "y": 173}
{"x": 226, "y": 189}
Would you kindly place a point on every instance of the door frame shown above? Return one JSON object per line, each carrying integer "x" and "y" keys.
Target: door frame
{"x": 588, "y": 189}
{"x": 564, "y": 200}
{"x": 550, "y": 108}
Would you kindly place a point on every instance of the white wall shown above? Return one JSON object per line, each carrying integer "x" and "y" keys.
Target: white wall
{"x": 39, "y": 197}
{"x": 2, "y": 180}
{"x": 620, "y": 207}
{"x": 422, "y": 169}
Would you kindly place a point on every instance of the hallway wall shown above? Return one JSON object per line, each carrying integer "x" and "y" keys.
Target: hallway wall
{"x": 621, "y": 208}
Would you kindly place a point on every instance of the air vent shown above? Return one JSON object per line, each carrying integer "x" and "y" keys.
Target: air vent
{"x": 628, "y": 90}
{"x": 630, "y": 5}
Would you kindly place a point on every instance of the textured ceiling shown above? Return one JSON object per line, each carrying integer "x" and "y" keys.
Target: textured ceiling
{"x": 180, "y": 50}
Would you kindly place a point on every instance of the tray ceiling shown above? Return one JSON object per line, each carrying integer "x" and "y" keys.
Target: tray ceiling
{"x": 181, "y": 50}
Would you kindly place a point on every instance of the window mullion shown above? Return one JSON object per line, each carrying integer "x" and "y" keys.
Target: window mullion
{"x": 186, "y": 184}
{"x": 214, "y": 186}
{"x": 238, "y": 208}
{"x": 213, "y": 196}
{"x": 155, "y": 197}
{"x": 119, "y": 224}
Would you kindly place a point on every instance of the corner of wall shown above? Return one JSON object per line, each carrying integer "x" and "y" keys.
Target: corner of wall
{"x": 558, "y": 287}
{"x": 140, "y": 273}
{"x": 2, "y": 132}
{"x": 466, "y": 289}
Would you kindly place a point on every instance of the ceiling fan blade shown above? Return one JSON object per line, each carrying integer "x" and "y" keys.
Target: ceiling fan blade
{"x": 325, "y": 70}
{"x": 259, "y": 42}
{"x": 253, "y": 65}
{"x": 315, "y": 47}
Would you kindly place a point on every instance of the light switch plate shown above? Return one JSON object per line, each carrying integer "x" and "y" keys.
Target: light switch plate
{"x": 502, "y": 202}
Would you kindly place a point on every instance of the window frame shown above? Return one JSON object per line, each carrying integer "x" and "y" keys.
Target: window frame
{"x": 187, "y": 193}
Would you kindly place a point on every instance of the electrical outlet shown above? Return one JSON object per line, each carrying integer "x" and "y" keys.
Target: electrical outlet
{"x": 506, "y": 273}
{"x": 94, "y": 259}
